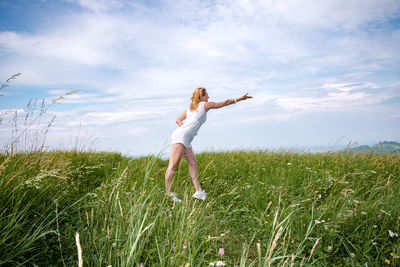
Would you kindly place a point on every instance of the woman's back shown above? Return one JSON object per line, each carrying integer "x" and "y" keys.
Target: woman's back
{"x": 198, "y": 116}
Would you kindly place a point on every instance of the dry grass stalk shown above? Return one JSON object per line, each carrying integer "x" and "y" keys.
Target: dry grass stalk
{"x": 78, "y": 245}
{"x": 120, "y": 208}
{"x": 292, "y": 261}
{"x": 278, "y": 234}
{"x": 313, "y": 248}
{"x": 15, "y": 175}
{"x": 301, "y": 263}
{"x": 388, "y": 181}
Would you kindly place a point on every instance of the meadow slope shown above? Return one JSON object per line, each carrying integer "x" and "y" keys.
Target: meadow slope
{"x": 263, "y": 208}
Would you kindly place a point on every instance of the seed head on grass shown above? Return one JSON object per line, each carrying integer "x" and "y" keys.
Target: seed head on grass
{"x": 278, "y": 234}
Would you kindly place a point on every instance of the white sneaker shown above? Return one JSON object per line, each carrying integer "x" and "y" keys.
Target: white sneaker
{"x": 200, "y": 195}
{"x": 174, "y": 198}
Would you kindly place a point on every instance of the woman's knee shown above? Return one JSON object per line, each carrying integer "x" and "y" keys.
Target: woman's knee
{"x": 172, "y": 167}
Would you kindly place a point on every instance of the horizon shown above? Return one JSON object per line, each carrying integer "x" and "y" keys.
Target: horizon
{"x": 321, "y": 74}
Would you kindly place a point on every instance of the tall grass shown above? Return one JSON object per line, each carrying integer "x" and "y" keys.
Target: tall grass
{"x": 263, "y": 208}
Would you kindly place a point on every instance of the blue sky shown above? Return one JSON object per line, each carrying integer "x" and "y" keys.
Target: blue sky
{"x": 322, "y": 73}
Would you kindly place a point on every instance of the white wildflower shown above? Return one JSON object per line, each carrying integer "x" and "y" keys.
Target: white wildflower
{"x": 393, "y": 234}
{"x": 330, "y": 248}
{"x": 373, "y": 243}
{"x": 317, "y": 222}
{"x": 220, "y": 263}
{"x": 212, "y": 263}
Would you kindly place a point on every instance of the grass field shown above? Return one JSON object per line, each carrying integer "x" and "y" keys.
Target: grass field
{"x": 263, "y": 208}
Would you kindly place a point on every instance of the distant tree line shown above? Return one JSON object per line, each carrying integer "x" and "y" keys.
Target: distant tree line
{"x": 381, "y": 147}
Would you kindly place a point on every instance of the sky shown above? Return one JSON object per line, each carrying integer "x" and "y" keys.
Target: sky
{"x": 322, "y": 73}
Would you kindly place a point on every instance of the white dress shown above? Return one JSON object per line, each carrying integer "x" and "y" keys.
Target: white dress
{"x": 185, "y": 133}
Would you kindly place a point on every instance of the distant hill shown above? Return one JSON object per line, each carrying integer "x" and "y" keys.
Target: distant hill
{"x": 381, "y": 147}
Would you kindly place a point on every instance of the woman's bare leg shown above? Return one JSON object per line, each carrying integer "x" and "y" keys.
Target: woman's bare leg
{"x": 177, "y": 151}
{"x": 192, "y": 162}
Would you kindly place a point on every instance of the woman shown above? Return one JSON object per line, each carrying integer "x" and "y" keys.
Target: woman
{"x": 182, "y": 137}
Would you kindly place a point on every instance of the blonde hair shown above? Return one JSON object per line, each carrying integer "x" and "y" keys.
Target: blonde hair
{"x": 197, "y": 94}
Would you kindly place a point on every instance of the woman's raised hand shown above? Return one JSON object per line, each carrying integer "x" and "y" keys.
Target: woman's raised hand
{"x": 245, "y": 96}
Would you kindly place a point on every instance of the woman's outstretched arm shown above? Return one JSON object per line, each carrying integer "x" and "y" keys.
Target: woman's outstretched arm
{"x": 215, "y": 105}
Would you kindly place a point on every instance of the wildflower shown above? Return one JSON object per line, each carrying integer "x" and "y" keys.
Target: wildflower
{"x": 212, "y": 263}
{"x": 141, "y": 265}
{"x": 222, "y": 234}
{"x": 221, "y": 251}
{"x": 174, "y": 248}
{"x": 394, "y": 255}
{"x": 352, "y": 255}
{"x": 114, "y": 245}
{"x": 363, "y": 213}
{"x": 283, "y": 178}
{"x": 375, "y": 226}
{"x": 184, "y": 246}
{"x": 317, "y": 222}
{"x": 373, "y": 243}
{"x": 329, "y": 248}
{"x": 258, "y": 244}
{"x": 187, "y": 265}
{"x": 387, "y": 261}
{"x": 392, "y": 234}
{"x": 289, "y": 163}
{"x": 220, "y": 263}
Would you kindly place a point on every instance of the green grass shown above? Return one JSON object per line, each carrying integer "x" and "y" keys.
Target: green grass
{"x": 264, "y": 208}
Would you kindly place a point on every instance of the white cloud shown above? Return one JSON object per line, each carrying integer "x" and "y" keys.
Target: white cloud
{"x": 332, "y": 101}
